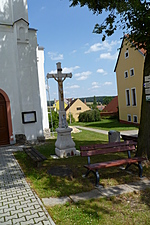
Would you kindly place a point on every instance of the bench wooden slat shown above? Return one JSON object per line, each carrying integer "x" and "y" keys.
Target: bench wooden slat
{"x": 108, "y": 145}
{"x": 118, "y": 162}
{"x": 108, "y": 150}
{"x": 34, "y": 155}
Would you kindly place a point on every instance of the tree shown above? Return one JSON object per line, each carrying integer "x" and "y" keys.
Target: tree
{"x": 94, "y": 105}
{"x": 106, "y": 100}
{"x": 133, "y": 17}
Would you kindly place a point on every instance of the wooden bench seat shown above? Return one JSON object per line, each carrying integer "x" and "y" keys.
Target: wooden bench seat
{"x": 116, "y": 147}
{"x": 36, "y": 156}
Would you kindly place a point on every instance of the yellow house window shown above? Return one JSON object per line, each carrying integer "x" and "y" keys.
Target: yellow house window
{"x": 129, "y": 118}
{"x": 127, "y": 97}
{"x": 78, "y": 108}
{"x": 133, "y": 94}
{"x": 135, "y": 120}
{"x": 132, "y": 72}
{"x": 126, "y": 74}
{"x": 126, "y": 54}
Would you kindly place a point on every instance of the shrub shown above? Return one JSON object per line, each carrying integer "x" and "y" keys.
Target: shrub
{"x": 55, "y": 120}
{"x": 90, "y": 116}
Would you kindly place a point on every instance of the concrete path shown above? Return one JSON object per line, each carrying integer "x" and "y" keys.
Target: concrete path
{"x": 100, "y": 192}
{"x": 127, "y": 132}
{"x": 18, "y": 203}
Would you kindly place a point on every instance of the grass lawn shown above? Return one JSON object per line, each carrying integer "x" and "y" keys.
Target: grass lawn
{"x": 126, "y": 209}
{"x": 108, "y": 124}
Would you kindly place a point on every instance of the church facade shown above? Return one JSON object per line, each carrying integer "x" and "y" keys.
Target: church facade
{"x": 23, "y": 109}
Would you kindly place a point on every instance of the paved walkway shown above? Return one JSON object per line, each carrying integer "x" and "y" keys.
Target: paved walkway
{"x": 18, "y": 203}
{"x": 127, "y": 132}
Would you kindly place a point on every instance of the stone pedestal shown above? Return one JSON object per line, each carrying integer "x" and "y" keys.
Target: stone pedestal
{"x": 64, "y": 145}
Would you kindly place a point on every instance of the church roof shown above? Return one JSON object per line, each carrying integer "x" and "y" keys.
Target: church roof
{"x": 19, "y": 20}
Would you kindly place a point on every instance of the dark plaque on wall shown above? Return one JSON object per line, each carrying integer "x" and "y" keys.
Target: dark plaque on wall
{"x": 29, "y": 117}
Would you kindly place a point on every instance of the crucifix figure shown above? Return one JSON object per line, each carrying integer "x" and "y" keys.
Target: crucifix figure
{"x": 60, "y": 77}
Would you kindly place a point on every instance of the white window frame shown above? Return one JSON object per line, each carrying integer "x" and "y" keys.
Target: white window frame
{"x": 129, "y": 116}
{"x": 126, "y": 72}
{"x": 132, "y": 69}
{"x": 126, "y": 52}
{"x": 134, "y": 103}
{"x": 135, "y": 116}
{"x": 127, "y": 102}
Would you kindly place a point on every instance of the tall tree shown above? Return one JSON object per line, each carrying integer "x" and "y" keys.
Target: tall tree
{"x": 133, "y": 17}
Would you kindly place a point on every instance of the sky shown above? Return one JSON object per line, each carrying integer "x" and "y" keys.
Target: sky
{"x": 66, "y": 33}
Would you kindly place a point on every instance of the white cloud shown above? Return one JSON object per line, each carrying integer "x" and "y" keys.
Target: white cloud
{"x": 107, "y": 83}
{"x": 55, "y": 56}
{"x": 73, "y": 52}
{"x": 109, "y": 56}
{"x": 95, "y": 85}
{"x": 66, "y": 70}
{"x": 83, "y": 75}
{"x": 102, "y": 46}
{"x": 73, "y": 87}
{"x": 101, "y": 71}
{"x": 70, "y": 69}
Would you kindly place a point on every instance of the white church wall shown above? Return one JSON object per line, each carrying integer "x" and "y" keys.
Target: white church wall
{"x": 6, "y": 12}
{"x": 20, "y": 10}
{"x": 9, "y": 82}
{"x": 28, "y": 79}
{"x": 19, "y": 70}
{"x": 42, "y": 87}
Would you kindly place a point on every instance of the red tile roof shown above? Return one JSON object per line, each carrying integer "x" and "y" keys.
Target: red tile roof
{"x": 112, "y": 106}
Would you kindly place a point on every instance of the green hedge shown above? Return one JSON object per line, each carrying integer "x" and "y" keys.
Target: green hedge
{"x": 55, "y": 119}
{"x": 90, "y": 116}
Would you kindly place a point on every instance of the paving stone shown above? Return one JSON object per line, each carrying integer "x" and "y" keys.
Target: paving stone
{"x": 16, "y": 212}
{"x": 7, "y": 218}
{"x": 55, "y": 201}
{"x": 28, "y": 208}
{"x": 39, "y": 219}
{"x": 32, "y": 216}
{"x": 140, "y": 185}
{"x": 115, "y": 190}
{"x": 18, "y": 220}
{"x": 29, "y": 222}
{"x": 86, "y": 195}
{"x": 18, "y": 204}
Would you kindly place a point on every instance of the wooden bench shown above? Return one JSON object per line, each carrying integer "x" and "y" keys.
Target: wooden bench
{"x": 36, "y": 156}
{"x": 133, "y": 137}
{"x": 116, "y": 147}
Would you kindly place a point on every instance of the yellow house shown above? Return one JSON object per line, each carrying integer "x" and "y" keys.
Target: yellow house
{"x": 56, "y": 105}
{"x": 75, "y": 108}
{"x": 129, "y": 74}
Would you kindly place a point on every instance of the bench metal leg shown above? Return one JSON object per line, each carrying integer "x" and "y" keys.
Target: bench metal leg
{"x": 139, "y": 166}
{"x": 128, "y": 165}
{"x": 140, "y": 169}
{"x": 96, "y": 175}
{"x": 97, "y": 178}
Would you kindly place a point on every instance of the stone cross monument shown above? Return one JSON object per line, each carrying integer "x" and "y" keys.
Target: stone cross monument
{"x": 64, "y": 145}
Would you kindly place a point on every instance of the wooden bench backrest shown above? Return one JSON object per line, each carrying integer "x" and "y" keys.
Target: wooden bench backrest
{"x": 108, "y": 145}
{"x": 101, "y": 151}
